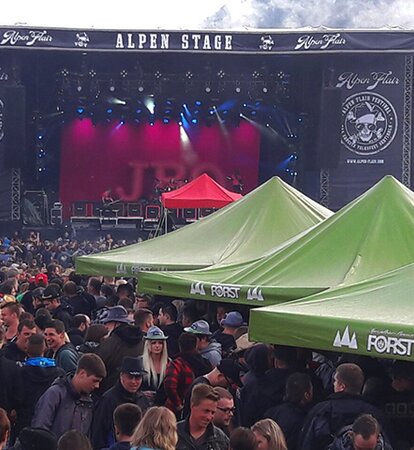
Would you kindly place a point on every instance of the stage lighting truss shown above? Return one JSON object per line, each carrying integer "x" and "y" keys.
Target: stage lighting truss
{"x": 96, "y": 91}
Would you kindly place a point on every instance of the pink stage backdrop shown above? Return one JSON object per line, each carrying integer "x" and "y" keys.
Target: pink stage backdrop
{"x": 129, "y": 158}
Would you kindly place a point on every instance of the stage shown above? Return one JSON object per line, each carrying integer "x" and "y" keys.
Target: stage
{"x": 140, "y": 113}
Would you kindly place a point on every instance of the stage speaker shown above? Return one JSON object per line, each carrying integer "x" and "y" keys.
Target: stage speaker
{"x": 190, "y": 214}
{"x": 56, "y": 216}
{"x": 134, "y": 210}
{"x": 152, "y": 212}
{"x": 79, "y": 209}
{"x": 204, "y": 212}
{"x": 13, "y": 125}
{"x": 329, "y": 130}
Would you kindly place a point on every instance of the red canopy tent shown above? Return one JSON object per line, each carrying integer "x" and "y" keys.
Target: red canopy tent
{"x": 203, "y": 192}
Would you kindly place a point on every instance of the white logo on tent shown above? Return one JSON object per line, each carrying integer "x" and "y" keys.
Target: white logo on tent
{"x": 255, "y": 294}
{"x": 121, "y": 268}
{"x": 345, "y": 340}
{"x": 197, "y": 288}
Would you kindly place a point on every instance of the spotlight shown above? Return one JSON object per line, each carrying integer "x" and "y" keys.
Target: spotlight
{"x": 40, "y": 137}
{"x": 256, "y": 74}
{"x": 225, "y": 112}
{"x": 92, "y": 73}
{"x": 211, "y": 112}
{"x": 122, "y": 122}
{"x": 253, "y": 113}
{"x": 65, "y": 72}
{"x": 166, "y": 120}
{"x": 140, "y": 88}
{"x": 124, "y": 73}
{"x": 80, "y": 110}
{"x": 138, "y": 111}
{"x": 258, "y": 103}
{"x": 157, "y": 75}
{"x": 198, "y": 103}
{"x": 238, "y": 89}
{"x": 221, "y": 74}
{"x": 189, "y": 75}
{"x": 194, "y": 121}
{"x": 264, "y": 89}
{"x": 208, "y": 89}
{"x": 111, "y": 88}
{"x": 79, "y": 88}
{"x": 109, "y": 111}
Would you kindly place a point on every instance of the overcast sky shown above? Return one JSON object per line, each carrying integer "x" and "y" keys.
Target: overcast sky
{"x": 196, "y": 14}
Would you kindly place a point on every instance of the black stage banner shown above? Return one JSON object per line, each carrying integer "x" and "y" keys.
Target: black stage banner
{"x": 375, "y": 125}
{"x": 266, "y": 41}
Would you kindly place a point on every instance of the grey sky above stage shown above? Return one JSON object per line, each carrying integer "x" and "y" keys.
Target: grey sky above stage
{"x": 228, "y": 14}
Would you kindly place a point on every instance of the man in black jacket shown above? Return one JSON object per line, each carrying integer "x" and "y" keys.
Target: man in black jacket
{"x": 198, "y": 432}
{"x": 127, "y": 390}
{"x": 342, "y": 407}
{"x": 168, "y": 323}
{"x": 290, "y": 415}
{"x": 17, "y": 350}
{"x": 123, "y": 340}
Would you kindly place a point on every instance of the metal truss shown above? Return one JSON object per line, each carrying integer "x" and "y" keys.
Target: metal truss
{"x": 15, "y": 194}
{"x": 324, "y": 187}
{"x": 407, "y": 121}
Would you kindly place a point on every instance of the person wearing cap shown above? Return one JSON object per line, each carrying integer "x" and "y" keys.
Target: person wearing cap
{"x": 155, "y": 360}
{"x": 126, "y": 390}
{"x": 68, "y": 403}
{"x": 226, "y": 374}
{"x": 52, "y": 302}
{"x": 124, "y": 340}
{"x": 208, "y": 347}
{"x": 225, "y": 336}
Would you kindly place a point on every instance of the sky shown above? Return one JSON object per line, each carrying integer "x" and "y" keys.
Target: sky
{"x": 207, "y": 14}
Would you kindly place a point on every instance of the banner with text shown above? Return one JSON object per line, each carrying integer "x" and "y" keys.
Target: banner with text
{"x": 263, "y": 41}
{"x": 373, "y": 125}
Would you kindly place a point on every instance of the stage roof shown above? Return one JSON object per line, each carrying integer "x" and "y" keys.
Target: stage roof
{"x": 270, "y": 42}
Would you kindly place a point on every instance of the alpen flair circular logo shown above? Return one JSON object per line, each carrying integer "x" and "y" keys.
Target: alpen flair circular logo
{"x": 369, "y": 123}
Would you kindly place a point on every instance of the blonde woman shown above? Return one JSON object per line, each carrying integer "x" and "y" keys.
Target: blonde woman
{"x": 269, "y": 435}
{"x": 155, "y": 360}
{"x": 157, "y": 430}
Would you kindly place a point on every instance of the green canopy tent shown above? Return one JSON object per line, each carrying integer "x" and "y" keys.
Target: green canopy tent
{"x": 374, "y": 317}
{"x": 370, "y": 236}
{"x": 243, "y": 230}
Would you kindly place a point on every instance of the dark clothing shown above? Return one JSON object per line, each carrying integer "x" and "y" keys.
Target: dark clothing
{"x": 63, "y": 313}
{"x": 27, "y": 302}
{"x": 102, "y": 426}
{"x": 399, "y": 411}
{"x": 76, "y": 337}
{"x": 61, "y": 409}
{"x": 120, "y": 446}
{"x": 66, "y": 357}
{"x": 124, "y": 340}
{"x": 262, "y": 393}
{"x": 213, "y": 439}
{"x": 343, "y": 441}
{"x": 173, "y": 331}
{"x": 290, "y": 417}
{"x": 79, "y": 304}
{"x": 326, "y": 418}
{"x": 11, "y": 386}
{"x": 12, "y": 351}
{"x": 36, "y": 380}
{"x": 227, "y": 341}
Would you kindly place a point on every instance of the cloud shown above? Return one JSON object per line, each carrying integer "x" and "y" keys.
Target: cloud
{"x": 308, "y": 13}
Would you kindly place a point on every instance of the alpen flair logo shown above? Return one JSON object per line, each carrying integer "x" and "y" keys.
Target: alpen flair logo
{"x": 369, "y": 123}
{"x": 309, "y": 41}
{"x": 13, "y": 37}
{"x": 345, "y": 339}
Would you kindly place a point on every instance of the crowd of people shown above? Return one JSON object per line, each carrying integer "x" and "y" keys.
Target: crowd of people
{"x": 86, "y": 363}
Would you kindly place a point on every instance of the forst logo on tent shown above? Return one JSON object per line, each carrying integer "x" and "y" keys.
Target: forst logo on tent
{"x": 345, "y": 340}
{"x": 255, "y": 294}
{"x": 197, "y": 289}
{"x": 386, "y": 342}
